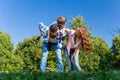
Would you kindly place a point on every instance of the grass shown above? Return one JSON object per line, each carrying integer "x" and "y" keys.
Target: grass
{"x": 99, "y": 75}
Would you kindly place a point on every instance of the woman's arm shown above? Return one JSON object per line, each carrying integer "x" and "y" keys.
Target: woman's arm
{"x": 68, "y": 30}
{"x": 77, "y": 49}
{"x": 68, "y": 45}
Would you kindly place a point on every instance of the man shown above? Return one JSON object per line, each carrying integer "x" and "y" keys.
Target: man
{"x": 51, "y": 43}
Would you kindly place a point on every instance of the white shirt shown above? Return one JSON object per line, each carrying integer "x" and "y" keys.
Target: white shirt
{"x": 73, "y": 45}
{"x": 53, "y": 40}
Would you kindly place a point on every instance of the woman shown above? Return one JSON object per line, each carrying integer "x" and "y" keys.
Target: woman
{"x": 77, "y": 39}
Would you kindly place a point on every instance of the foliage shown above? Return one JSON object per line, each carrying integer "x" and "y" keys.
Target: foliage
{"x": 116, "y": 52}
{"x": 30, "y": 52}
{"x": 99, "y": 75}
{"x": 89, "y": 62}
{"x": 76, "y": 22}
{"x": 100, "y": 47}
{"x": 5, "y": 42}
{"x": 8, "y": 61}
{"x": 116, "y": 45}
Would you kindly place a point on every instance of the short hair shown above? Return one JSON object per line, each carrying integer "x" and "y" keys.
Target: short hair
{"x": 61, "y": 20}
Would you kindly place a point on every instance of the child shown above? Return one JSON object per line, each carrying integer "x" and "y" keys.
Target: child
{"x": 61, "y": 21}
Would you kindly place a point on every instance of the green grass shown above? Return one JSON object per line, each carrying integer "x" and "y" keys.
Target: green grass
{"x": 100, "y": 75}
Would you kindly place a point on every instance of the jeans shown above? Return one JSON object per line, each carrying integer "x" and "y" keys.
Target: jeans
{"x": 69, "y": 60}
{"x": 45, "y": 48}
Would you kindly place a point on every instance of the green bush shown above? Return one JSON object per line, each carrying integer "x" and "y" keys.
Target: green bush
{"x": 116, "y": 52}
{"x": 30, "y": 52}
{"x": 8, "y": 61}
{"x": 100, "y": 47}
{"x": 89, "y": 62}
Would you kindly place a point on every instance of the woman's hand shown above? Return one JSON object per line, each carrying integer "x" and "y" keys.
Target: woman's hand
{"x": 48, "y": 40}
{"x": 72, "y": 58}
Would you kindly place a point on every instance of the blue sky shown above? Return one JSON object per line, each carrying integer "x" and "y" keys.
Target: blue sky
{"x": 20, "y": 18}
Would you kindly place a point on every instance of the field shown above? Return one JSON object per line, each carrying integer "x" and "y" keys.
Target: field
{"x": 99, "y": 75}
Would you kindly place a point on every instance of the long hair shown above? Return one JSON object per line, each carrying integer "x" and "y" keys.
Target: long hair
{"x": 85, "y": 41}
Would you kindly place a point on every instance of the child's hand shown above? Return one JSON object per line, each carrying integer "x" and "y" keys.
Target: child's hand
{"x": 48, "y": 39}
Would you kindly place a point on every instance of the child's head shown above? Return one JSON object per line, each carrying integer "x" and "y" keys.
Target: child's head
{"x": 81, "y": 34}
{"x": 61, "y": 21}
{"x": 53, "y": 30}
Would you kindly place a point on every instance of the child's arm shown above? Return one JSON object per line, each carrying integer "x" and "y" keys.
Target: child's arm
{"x": 63, "y": 31}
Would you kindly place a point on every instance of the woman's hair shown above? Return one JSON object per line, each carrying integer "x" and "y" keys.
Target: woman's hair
{"x": 83, "y": 36}
{"x": 53, "y": 30}
{"x": 61, "y": 21}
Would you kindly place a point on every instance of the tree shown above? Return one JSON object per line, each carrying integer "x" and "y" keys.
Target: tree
{"x": 5, "y": 42}
{"x": 8, "y": 61}
{"x": 76, "y": 22}
{"x": 116, "y": 45}
{"x": 30, "y": 53}
{"x": 100, "y": 47}
{"x": 116, "y": 52}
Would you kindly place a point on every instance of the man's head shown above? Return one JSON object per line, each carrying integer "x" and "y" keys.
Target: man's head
{"x": 53, "y": 30}
{"x": 61, "y": 21}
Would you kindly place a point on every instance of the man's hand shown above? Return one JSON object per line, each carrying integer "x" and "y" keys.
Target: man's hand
{"x": 38, "y": 38}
